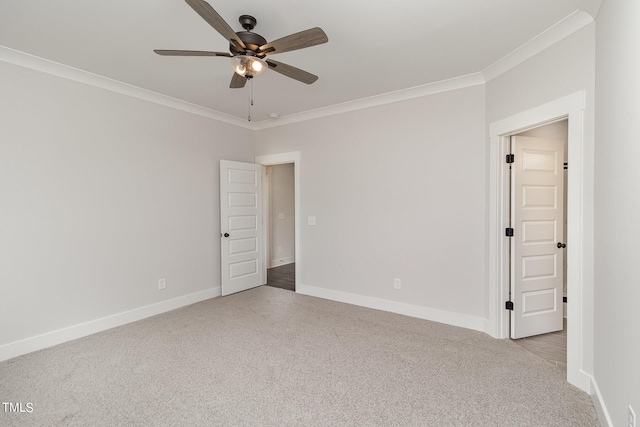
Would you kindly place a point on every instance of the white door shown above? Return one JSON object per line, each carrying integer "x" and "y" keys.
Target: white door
{"x": 537, "y": 219}
{"x": 240, "y": 226}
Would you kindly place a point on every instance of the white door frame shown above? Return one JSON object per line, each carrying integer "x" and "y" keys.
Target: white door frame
{"x": 278, "y": 159}
{"x": 579, "y": 308}
{"x": 266, "y": 199}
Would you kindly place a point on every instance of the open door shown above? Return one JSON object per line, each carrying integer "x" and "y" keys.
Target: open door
{"x": 240, "y": 226}
{"x": 537, "y": 249}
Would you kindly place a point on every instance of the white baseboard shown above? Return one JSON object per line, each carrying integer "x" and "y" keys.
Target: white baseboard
{"x": 28, "y": 345}
{"x": 282, "y": 261}
{"x": 440, "y": 316}
{"x": 598, "y": 403}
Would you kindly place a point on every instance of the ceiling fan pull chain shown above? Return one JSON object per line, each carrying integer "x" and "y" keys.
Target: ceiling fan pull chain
{"x": 251, "y": 89}
{"x": 250, "y": 97}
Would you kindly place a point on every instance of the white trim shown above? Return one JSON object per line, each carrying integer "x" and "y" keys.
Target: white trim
{"x": 50, "y": 67}
{"x": 570, "y": 107}
{"x": 28, "y": 345}
{"x": 542, "y": 41}
{"x": 278, "y": 159}
{"x": 552, "y": 35}
{"x": 440, "y": 316}
{"x": 64, "y": 71}
{"x": 598, "y": 403}
{"x": 267, "y": 196}
{"x": 374, "y": 101}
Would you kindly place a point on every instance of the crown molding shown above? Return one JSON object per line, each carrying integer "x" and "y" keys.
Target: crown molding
{"x": 542, "y": 41}
{"x": 374, "y": 101}
{"x": 64, "y": 71}
{"x": 554, "y": 34}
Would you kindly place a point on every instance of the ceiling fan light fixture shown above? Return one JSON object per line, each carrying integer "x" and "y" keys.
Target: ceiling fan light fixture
{"x": 248, "y": 66}
{"x": 256, "y": 66}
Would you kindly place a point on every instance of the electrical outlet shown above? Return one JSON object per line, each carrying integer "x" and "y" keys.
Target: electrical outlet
{"x": 162, "y": 283}
{"x": 397, "y": 283}
{"x": 311, "y": 220}
{"x": 632, "y": 417}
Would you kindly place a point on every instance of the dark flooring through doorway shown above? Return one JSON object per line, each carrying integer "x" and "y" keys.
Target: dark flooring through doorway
{"x": 551, "y": 347}
{"x": 283, "y": 277}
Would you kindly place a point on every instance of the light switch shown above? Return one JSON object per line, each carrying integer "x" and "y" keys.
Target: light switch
{"x": 312, "y": 220}
{"x": 280, "y": 215}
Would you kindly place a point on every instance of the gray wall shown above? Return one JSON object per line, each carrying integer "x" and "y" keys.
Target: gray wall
{"x": 398, "y": 192}
{"x": 102, "y": 195}
{"x": 617, "y": 292}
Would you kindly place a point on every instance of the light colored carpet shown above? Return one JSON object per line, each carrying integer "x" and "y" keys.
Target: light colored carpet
{"x": 270, "y": 357}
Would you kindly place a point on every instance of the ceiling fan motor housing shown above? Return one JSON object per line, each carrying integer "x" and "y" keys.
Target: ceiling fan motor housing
{"x": 251, "y": 40}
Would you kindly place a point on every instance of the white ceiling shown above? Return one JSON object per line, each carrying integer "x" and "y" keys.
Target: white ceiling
{"x": 374, "y": 47}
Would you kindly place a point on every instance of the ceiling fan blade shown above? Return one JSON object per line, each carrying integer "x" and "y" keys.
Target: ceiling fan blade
{"x": 237, "y": 81}
{"x": 307, "y": 38}
{"x": 207, "y": 13}
{"x": 190, "y": 53}
{"x": 293, "y": 72}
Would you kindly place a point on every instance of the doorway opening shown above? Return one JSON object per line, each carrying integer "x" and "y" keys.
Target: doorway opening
{"x": 280, "y": 223}
{"x": 290, "y": 268}
{"x": 549, "y": 340}
{"x": 579, "y": 231}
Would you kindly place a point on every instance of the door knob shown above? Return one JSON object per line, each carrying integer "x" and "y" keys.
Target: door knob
{"x": 227, "y": 235}
{"x": 561, "y": 245}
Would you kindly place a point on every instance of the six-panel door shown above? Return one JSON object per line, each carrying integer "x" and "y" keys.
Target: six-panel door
{"x": 537, "y": 218}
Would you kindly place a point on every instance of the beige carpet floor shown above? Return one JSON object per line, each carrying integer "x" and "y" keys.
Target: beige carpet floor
{"x": 270, "y": 357}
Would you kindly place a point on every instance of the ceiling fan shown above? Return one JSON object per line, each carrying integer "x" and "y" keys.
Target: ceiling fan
{"x": 249, "y": 51}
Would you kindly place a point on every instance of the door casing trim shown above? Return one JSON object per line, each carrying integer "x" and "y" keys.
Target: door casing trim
{"x": 279, "y": 159}
{"x": 579, "y": 310}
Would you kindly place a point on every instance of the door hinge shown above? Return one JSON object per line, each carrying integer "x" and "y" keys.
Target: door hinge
{"x": 511, "y": 158}
{"x": 508, "y": 232}
{"x": 508, "y": 305}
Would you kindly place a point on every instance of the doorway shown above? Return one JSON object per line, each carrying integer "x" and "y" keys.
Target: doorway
{"x": 294, "y": 268}
{"x": 579, "y": 231}
{"x": 543, "y": 332}
{"x": 280, "y": 222}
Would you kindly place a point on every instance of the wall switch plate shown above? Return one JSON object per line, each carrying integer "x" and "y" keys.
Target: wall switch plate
{"x": 162, "y": 283}
{"x": 311, "y": 220}
{"x": 397, "y": 283}
{"x": 280, "y": 215}
{"x": 632, "y": 417}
